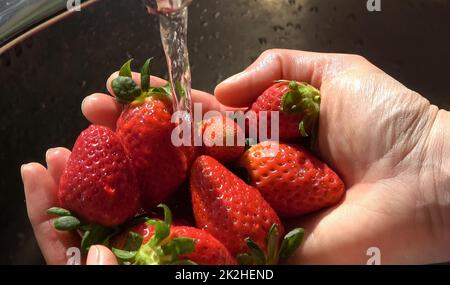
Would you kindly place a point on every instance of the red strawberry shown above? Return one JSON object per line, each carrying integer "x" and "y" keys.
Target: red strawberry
{"x": 298, "y": 105}
{"x": 223, "y": 139}
{"x": 98, "y": 183}
{"x": 292, "y": 180}
{"x": 159, "y": 242}
{"x": 145, "y": 128}
{"x": 235, "y": 213}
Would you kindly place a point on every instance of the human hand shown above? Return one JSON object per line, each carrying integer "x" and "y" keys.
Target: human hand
{"x": 41, "y": 183}
{"x": 387, "y": 143}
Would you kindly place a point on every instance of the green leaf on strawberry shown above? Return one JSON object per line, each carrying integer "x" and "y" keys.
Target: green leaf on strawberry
{"x": 125, "y": 89}
{"x": 58, "y": 212}
{"x": 66, "y": 223}
{"x": 96, "y": 234}
{"x": 291, "y": 242}
{"x": 125, "y": 70}
{"x": 256, "y": 255}
{"x": 303, "y": 99}
{"x": 160, "y": 249}
{"x": 145, "y": 75}
{"x": 91, "y": 233}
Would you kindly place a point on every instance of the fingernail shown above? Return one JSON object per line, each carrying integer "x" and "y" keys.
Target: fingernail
{"x": 22, "y": 167}
{"x": 94, "y": 257}
{"x": 49, "y": 152}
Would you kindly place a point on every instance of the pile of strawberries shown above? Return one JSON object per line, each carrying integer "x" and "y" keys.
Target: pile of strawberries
{"x": 115, "y": 180}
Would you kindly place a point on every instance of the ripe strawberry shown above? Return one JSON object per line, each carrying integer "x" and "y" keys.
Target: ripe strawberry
{"x": 160, "y": 242}
{"x": 98, "y": 183}
{"x": 223, "y": 139}
{"x": 292, "y": 180}
{"x": 145, "y": 128}
{"x": 236, "y": 214}
{"x": 299, "y": 105}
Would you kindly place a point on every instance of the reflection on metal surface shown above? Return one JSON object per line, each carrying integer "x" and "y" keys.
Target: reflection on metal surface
{"x": 21, "y": 34}
{"x": 18, "y": 15}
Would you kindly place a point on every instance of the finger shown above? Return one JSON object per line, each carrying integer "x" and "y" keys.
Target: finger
{"x": 100, "y": 255}
{"x": 242, "y": 89}
{"x": 209, "y": 102}
{"x": 56, "y": 159}
{"x": 154, "y": 81}
{"x": 40, "y": 194}
{"x": 101, "y": 109}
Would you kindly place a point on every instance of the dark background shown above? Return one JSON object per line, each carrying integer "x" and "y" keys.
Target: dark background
{"x": 45, "y": 78}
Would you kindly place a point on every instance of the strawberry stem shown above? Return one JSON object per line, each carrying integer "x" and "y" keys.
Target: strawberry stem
{"x": 303, "y": 99}
{"x": 127, "y": 91}
{"x": 160, "y": 249}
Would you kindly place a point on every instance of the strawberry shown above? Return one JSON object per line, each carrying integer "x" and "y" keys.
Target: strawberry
{"x": 223, "y": 139}
{"x": 292, "y": 180}
{"x": 159, "y": 242}
{"x": 98, "y": 182}
{"x": 298, "y": 105}
{"x": 145, "y": 129}
{"x": 237, "y": 215}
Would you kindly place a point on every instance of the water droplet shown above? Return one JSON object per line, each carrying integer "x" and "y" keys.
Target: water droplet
{"x": 262, "y": 41}
{"x": 298, "y": 26}
{"x": 289, "y": 25}
{"x": 292, "y": 2}
{"x": 217, "y": 15}
{"x": 205, "y": 24}
{"x": 217, "y": 35}
{"x": 314, "y": 9}
{"x": 278, "y": 28}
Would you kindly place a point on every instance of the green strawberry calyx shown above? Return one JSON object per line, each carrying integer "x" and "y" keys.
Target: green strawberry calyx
{"x": 275, "y": 252}
{"x": 91, "y": 233}
{"x": 302, "y": 99}
{"x": 161, "y": 249}
{"x": 127, "y": 91}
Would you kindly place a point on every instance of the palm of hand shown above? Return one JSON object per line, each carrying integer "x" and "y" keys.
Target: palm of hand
{"x": 370, "y": 133}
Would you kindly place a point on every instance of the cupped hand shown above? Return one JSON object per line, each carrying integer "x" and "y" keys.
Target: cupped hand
{"x": 41, "y": 183}
{"x": 386, "y": 142}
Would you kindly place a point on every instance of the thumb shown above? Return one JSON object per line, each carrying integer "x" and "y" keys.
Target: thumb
{"x": 243, "y": 88}
{"x": 100, "y": 255}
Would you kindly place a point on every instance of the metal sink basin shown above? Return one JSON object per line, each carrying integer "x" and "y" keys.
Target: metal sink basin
{"x": 45, "y": 76}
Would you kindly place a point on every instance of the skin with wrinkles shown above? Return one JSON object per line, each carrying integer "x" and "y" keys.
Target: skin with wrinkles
{"x": 390, "y": 145}
{"x": 376, "y": 133}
